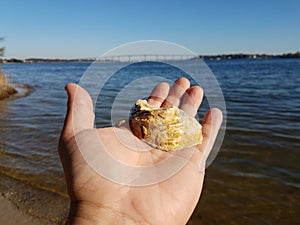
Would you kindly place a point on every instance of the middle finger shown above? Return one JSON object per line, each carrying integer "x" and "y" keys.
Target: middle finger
{"x": 176, "y": 92}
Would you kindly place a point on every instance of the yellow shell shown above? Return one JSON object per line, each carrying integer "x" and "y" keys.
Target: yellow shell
{"x": 167, "y": 129}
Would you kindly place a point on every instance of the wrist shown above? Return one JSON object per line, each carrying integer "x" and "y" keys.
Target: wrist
{"x": 90, "y": 214}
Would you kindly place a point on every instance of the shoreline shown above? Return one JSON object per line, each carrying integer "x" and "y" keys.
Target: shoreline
{"x": 16, "y": 90}
{"x": 10, "y": 215}
{"x": 22, "y": 201}
{"x": 6, "y": 90}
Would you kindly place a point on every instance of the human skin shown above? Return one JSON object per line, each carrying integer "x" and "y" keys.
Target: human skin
{"x": 97, "y": 200}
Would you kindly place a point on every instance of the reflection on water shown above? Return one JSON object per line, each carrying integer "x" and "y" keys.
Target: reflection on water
{"x": 255, "y": 177}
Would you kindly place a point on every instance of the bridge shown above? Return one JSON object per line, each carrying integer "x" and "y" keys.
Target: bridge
{"x": 146, "y": 57}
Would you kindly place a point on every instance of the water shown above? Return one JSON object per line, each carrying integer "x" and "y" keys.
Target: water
{"x": 255, "y": 177}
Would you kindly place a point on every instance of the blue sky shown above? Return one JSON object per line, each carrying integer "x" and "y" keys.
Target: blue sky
{"x": 78, "y": 29}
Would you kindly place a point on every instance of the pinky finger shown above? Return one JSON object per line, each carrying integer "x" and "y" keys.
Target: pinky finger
{"x": 210, "y": 127}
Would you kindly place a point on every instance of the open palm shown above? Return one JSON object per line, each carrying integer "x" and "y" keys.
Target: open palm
{"x": 96, "y": 199}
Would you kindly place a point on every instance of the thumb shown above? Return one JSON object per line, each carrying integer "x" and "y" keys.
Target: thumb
{"x": 80, "y": 112}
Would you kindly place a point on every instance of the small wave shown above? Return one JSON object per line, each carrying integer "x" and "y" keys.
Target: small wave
{"x": 23, "y": 90}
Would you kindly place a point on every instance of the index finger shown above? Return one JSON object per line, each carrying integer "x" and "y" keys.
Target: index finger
{"x": 159, "y": 94}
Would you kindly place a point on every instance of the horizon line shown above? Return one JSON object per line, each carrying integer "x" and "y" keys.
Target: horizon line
{"x": 2, "y": 58}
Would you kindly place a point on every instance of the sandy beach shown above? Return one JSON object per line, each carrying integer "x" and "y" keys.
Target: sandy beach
{"x": 26, "y": 204}
{"x": 10, "y": 215}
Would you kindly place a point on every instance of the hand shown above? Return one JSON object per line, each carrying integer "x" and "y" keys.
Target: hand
{"x": 96, "y": 200}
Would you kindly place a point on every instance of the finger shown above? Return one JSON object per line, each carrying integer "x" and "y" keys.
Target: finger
{"x": 210, "y": 126}
{"x": 159, "y": 94}
{"x": 80, "y": 113}
{"x": 176, "y": 92}
{"x": 191, "y": 100}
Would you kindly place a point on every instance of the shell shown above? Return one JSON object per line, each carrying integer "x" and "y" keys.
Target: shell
{"x": 167, "y": 129}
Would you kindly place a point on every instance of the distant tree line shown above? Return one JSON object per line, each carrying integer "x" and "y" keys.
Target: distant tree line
{"x": 250, "y": 56}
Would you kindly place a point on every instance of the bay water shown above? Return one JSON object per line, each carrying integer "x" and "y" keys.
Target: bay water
{"x": 255, "y": 178}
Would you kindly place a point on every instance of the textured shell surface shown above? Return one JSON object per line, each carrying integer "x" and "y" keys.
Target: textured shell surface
{"x": 167, "y": 129}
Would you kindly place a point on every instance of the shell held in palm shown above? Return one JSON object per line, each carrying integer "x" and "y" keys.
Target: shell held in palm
{"x": 167, "y": 129}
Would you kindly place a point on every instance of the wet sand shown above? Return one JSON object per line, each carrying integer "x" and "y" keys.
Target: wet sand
{"x": 10, "y": 215}
{"x": 5, "y": 89}
{"x": 24, "y": 203}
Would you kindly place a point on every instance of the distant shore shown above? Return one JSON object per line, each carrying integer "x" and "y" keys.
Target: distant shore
{"x": 205, "y": 57}
{"x": 251, "y": 56}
